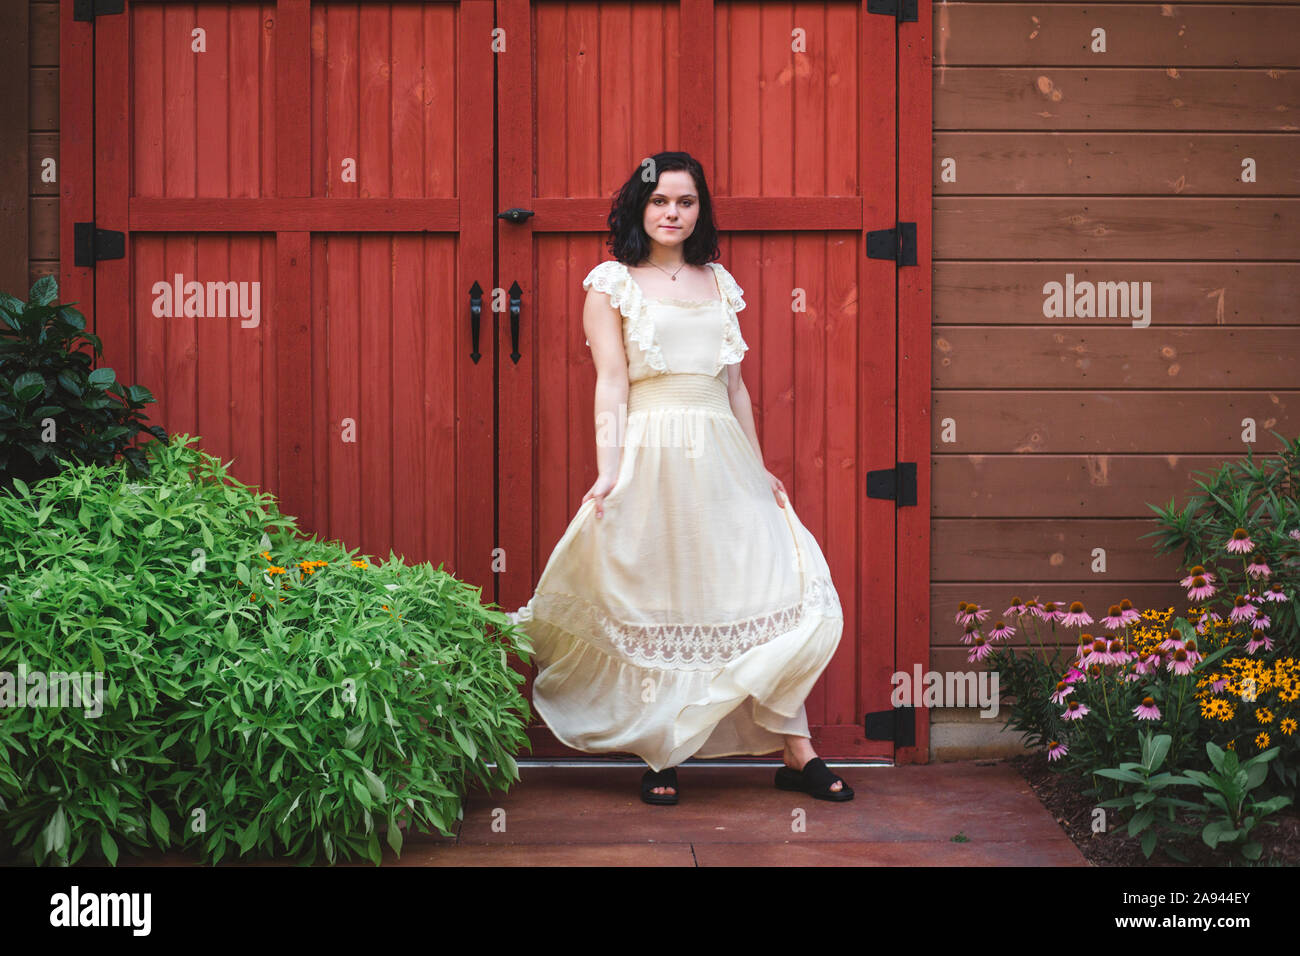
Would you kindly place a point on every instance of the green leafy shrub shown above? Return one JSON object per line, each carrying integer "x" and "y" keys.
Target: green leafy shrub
{"x": 1227, "y": 789}
{"x": 53, "y": 407}
{"x": 263, "y": 694}
{"x": 1145, "y": 808}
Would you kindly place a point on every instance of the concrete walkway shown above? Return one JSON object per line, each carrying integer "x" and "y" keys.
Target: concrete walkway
{"x": 733, "y": 816}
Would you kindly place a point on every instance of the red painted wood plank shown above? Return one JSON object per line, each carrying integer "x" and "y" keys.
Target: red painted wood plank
{"x": 293, "y": 315}
{"x": 878, "y": 403}
{"x": 475, "y": 436}
{"x": 913, "y": 536}
{"x": 77, "y": 169}
{"x": 112, "y": 58}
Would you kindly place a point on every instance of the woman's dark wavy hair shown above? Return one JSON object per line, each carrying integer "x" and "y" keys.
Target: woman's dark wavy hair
{"x": 628, "y": 242}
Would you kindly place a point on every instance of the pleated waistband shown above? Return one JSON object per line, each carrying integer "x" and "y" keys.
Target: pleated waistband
{"x": 679, "y": 388}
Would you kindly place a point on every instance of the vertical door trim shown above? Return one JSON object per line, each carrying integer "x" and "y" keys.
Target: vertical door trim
{"x": 915, "y": 399}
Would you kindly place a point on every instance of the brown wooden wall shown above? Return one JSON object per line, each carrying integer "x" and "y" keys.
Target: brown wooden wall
{"x": 1116, "y": 166}
{"x": 29, "y": 117}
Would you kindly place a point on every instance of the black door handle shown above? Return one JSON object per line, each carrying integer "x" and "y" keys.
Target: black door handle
{"x": 516, "y": 301}
{"x": 515, "y": 215}
{"x": 475, "y": 318}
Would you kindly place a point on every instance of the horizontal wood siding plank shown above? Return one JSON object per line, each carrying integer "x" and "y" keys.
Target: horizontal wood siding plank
{"x": 1136, "y": 164}
{"x": 1093, "y": 227}
{"x": 1114, "y": 98}
{"x": 1184, "y": 422}
{"x": 1196, "y": 293}
{"x": 1150, "y": 358}
{"x": 1047, "y": 549}
{"x": 1137, "y": 34}
{"x": 1062, "y": 486}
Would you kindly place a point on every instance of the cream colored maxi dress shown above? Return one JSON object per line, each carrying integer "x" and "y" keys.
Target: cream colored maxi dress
{"x": 695, "y": 616}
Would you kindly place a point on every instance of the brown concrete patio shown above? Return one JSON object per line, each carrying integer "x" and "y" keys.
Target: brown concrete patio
{"x": 733, "y": 816}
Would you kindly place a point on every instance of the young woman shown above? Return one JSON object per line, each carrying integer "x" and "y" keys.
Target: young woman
{"x": 685, "y": 611}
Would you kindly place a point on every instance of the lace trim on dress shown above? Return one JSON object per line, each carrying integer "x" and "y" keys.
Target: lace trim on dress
{"x": 696, "y": 646}
{"x": 625, "y": 294}
{"x": 733, "y": 346}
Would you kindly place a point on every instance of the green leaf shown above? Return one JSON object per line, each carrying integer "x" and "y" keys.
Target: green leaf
{"x": 101, "y": 378}
{"x": 375, "y": 785}
{"x": 158, "y": 821}
{"x": 108, "y": 845}
{"x": 26, "y": 387}
{"x": 68, "y": 379}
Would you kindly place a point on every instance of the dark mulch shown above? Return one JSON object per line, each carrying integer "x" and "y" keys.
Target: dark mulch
{"x": 1063, "y": 797}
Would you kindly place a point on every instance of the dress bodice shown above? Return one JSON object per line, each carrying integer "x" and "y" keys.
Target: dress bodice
{"x": 666, "y": 336}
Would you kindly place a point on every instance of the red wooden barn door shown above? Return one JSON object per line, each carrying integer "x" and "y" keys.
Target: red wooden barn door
{"x": 791, "y": 111}
{"x": 329, "y": 161}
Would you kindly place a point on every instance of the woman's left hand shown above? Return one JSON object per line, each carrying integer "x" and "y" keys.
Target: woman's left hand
{"x": 778, "y": 489}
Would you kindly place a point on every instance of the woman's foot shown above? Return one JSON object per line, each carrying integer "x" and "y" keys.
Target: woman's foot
{"x": 663, "y": 789}
{"x": 799, "y": 753}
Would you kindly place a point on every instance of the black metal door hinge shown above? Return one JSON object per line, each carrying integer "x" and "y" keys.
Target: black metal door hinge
{"x": 898, "y": 244}
{"x": 903, "y": 10}
{"x": 898, "y": 724}
{"x": 89, "y": 9}
{"x": 89, "y": 244}
{"x": 898, "y": 483}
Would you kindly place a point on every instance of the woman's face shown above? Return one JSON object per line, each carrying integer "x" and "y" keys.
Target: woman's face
{"x": 672, "y": 210}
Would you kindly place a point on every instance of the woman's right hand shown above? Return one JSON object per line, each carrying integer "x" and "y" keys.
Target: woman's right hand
{"x": 604, "y": 484}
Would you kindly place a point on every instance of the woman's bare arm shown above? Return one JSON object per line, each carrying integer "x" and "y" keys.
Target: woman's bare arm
{"x": 604, "y": 327}
{"x": 741, "y": 407}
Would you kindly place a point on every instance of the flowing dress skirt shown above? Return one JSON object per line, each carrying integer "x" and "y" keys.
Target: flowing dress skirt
{"x": 694, "y": 617}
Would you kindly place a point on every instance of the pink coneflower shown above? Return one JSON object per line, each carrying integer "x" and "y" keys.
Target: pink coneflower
{"x": 1031, "y": 606}
{"x": 962, "y": 617}
{"x": 1146, "y": 663}
{"x": 980, "y": 650}
{"x": 1258, "y": 568}
{"x": 1196, "y": 571}
{"x": 1051, "y": 611}
{"x": 972, "y": 631}
{"x": 1242, "y": 609}
{"x": 1016, "y": 607}
{"x": 1173, "y": 641}
{"x": 976, "y": 613}
{"x": 1094, "y": 671}
{"x": 1062, "y": 688}
{"x": 1180, "y": 661}
{"x": 1076, "y": 616}
{"x": 1001, "y": 631}
{"x": 1119, "y": 654}
{"x": 1112, "y": 621}
{"x": 1074, "y": 675}
{"x": 1258, "y": 641}
{"x": 1127, "y": 613}
{"x": 1260, "y": 622}
{"x": 1193, "y": 654}
{"x": 1100, "y": 653}
{"x": 1275, "y": 593}
{"x": 1056, "y": 750}
{"x": 1217, "y": 686}
{"x": 1084, "y": 649}
{"x": 1074, "y": 710}
{"x": 1240, "y": 542}
{"x": 1147, "y": 710}
{"x": 1200, "y": 588}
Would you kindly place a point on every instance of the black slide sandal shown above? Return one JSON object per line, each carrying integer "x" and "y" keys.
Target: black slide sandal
{"x": 663, "y": 778}
{"x": 815, "y": 779}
